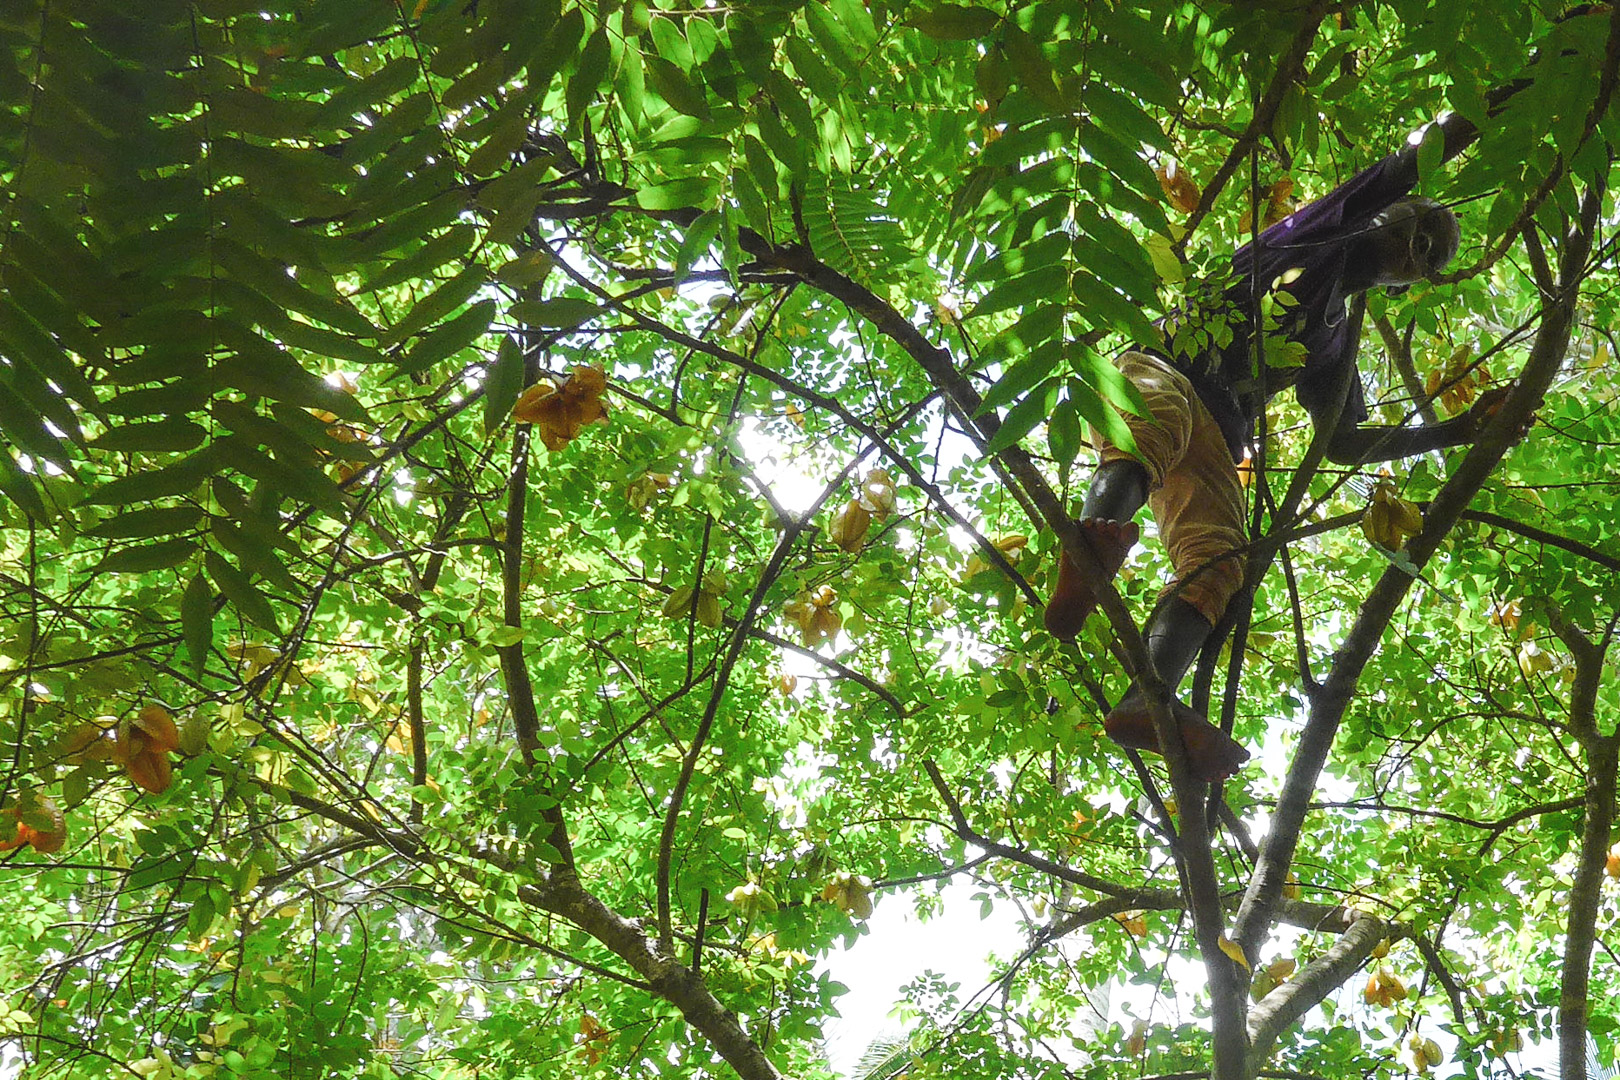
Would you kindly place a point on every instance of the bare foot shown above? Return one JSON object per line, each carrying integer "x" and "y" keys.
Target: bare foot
{"x": 1211, "y": 753}
{"x": 1075, "y": 597}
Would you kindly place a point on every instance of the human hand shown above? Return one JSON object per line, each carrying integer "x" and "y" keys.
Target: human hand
{"x": 1490, "y": 403}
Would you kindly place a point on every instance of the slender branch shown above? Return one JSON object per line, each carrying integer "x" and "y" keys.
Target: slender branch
{"x": 966, "y": 832}
{"x": 1542, "y": 536}
{"x": 1289, "y": 68}
{"x": 418, "y": 725}
{"x": 1437, "y": 965}
{"x": 739, "y": 637}
{"x": 514, "y": 668}
{"x": 1399, "y": 347}
{"x": 1500, "y": 825}
{"x": 1585, "y": 903}
{"x": 1585, "y": 893}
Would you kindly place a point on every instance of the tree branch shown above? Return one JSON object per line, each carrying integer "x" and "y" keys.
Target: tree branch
{"x": 966, "y": 832}
{"x": 1289, "y": 68}
{"x": 1542, "y": 536}
{"x": 672, "y": 980}
{"x": 1314, "y": 982}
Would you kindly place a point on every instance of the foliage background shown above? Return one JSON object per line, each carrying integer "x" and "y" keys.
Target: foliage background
{"x": 502, "y": 759}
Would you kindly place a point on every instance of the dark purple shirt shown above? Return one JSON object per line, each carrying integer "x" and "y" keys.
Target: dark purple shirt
{"x": 1314, "y": 240}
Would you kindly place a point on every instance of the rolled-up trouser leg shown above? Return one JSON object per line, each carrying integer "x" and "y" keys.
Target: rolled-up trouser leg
{"x": 1194, "y": 492}
{"x": 1161, "y": 441}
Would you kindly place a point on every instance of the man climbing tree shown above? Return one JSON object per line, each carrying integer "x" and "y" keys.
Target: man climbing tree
{"x": 1310, "y": 270}
{"x": 521, "y": 447}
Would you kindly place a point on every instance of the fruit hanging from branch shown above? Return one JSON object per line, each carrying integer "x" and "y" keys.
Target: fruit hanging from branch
{"x": 559, "y": 410}
{"x": 39, "y": 824}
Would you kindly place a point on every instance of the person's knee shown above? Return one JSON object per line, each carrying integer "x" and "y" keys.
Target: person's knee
{"x": 1210, "y": 586}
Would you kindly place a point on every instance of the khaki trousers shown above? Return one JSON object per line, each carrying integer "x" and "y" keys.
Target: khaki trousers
{"x": 1193, "y": 488}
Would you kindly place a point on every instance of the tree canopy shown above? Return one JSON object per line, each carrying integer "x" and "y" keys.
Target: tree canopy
{"x": 525, "y": 519}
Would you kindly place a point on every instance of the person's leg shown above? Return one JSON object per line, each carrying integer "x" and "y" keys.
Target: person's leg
{"x": 1200, "y": 512}
{"x": 1117, "y": 492}
{"x": 1121, "y": 485}
{"x": 1175, "y": 634}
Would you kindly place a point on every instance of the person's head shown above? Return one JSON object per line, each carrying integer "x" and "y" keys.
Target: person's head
{"x": 1413, "y": 239}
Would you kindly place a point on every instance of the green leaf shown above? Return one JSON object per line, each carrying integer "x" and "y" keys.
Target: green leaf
{"x": 560, "y": 46}
{"x": 1100, "y": 373}
{"x": 276, "y": 283}
{"x": 593, "y": 64}
{"x": 1123, "y": 162}
{"x": 747, "y": 195}
{"x": 439, "y": 303}
{"x": 254, "y": 555}
{"x": 23, "y": 339}
{"x": 514, "y": 184}
{"x": 147, "y": 557}
{"x": 478, "y": 83}
{"x": 1042, "y": 283}
{"x": 141, "y": 524}
{"x": 19, "y": 488}
{"x": 409, "y": 222}
{"x": 449, "y": 338}
{"x": 793, "y": 106}
{"x": 832, "y": 38}
{"x": 22, "y": 424}
{"x": 679, "y": 194}
{"x": 448, "y": 246}
{"x": 265, "y": 370}
{"x": 822, "y": 80}
{"x": 239, "y": 109}
{"x": 672, "y": 84}
{"x": 955, "y": 22}
{"x": 503, "y": 636}
{"x": 517, "y": 215}
{"x": 503, "y": 383}
{"x": 1101, "y": 305}
{"x": 1124, "y": 117}
{"x": 197, "y": 622}
{"x": 176, "y": 433}
{"x": 241, "y": 592}
{"x": 630, "y": 80}
{"x": 730, "y": 248}
{"x": 1100, "y": 416}
{"x": 1023, "y": 417}
{"x": 180, "y": 478}
{"x": 394, "y": 78}
{"x": 324, "y": 343}
{"x": 31, "y": 399}
{"x": 1431, "y": 153}
{"x": 298, "y": 479}
{"x": 695, "y": 244}
{"x": 1034, "y": 70}
{"x": 1014, "y": 261}
{"x": 787, "y": 149}
{"x": 558, "y": 313}
{"x": 1022, "y": 377}
{"x": 1064, "y": 434}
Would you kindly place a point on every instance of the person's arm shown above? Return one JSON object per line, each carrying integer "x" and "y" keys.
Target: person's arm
{"x": 1357, "y": 444}
{"x": 1353, "y": 442}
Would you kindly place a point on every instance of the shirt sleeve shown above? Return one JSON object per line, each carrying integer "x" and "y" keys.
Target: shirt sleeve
{"x": 1315, "y": 235}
